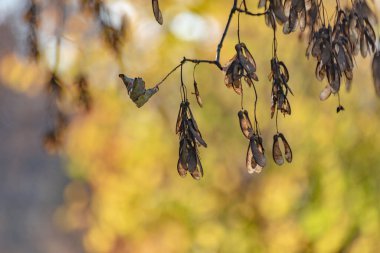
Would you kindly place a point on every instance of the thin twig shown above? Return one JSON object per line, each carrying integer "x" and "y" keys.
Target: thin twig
{"x": 220, "y": 45}
{"x": 171, "y": 72}
{"x": 216, "y": 62}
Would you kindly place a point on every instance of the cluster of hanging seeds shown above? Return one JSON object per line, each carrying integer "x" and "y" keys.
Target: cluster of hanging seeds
{"x": 334, "y": 41}
{"x": 241, "y": 65}
{"x": 335, "y": 46}
{"x": 280, "y": 89}
{"x": 190, "y": 138}
{"x": 276, "y": 151}
{"x": 255, "y": 159}
{"x": 280, "y": 103}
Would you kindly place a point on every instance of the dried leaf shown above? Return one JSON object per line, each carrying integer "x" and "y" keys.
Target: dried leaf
{"x": 136, "y": 90}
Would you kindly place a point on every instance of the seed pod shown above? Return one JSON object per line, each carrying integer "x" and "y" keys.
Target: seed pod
{"x": 245, "y": 124}
{"x": 197, "y": 94}
{"x": 257, "y": 150}
{"x": 288, "y": 150}
{"x": 251, "y": 164}
{"x": 157, "y": 12}
{"x": 276, "y": 151}
{"x": 325, "y": 93}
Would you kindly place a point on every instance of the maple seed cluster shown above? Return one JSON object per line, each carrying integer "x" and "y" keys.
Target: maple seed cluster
{"x": 190, "y": 138}
{"x": 333, "y": 41}
{"x": 280, "y": 89}
{"x": 276, "y": 151}
{"x": 241, "y": 65}
{"x": 255, "y": 159}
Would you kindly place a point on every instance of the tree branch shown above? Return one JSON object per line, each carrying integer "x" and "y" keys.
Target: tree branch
{"x": 216, "y": 62}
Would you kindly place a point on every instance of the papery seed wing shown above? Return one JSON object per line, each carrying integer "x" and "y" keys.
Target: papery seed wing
{"x": 287, "y": 5}
{"x": 247, "y": 117}
{"x": 348, "y": 83}
{"x": 325, "y": 93}
{"x": 192, "y": 120}
{"x": 287, "y": 108}
{"x": 179, "y": 120}
{"x": 325, "y": 56}
{"x": 249, "y": 56}
{"x": 192, "y": 159}
{"x": 363, "y": 45}
{"x": 293, "y": 20}
{"x": 197, "y": 94}
{"x": 228, "y": 80}
{"x": 286, "y": 29}
{"x": 257, "y": 152}
{"x": 229, "y": 63}
{"x": 273, "y": 108}
{"x": 309, "y": 48}
{"x": 376, "y": 72}
{"x": 249, "y": 82}
{"x": 182, "y": 171}
{"x": 237, "y": 86}
{"x": 335, "y": 84}
{"x": 198, "y": 173}
{"x": 288, "y": 150}
{"x": 157, "y": 12}
{"x": 278, "y": 11}
{"x": 183, "y": 156}
{"x": 316, "y": 50}
{"x": 302, "y": 20}
{"x": 248, "y": 67}
{"x": 284, "y": 70}
{"x": 276, "y": 151}
{"x": 200, "y": 167}
{"x": 371, "y": 41}
{"x": 250, "y": 161}
{"x": 196, "y": 134}
{"x": 262, "y": 3}
{"x": 308, "y": 4}
{"x": 245, "y": 125}
{"x": 370, "y": 32}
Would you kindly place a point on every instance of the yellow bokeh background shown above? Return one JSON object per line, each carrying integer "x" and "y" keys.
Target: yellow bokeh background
{"x": 125, "y": 193}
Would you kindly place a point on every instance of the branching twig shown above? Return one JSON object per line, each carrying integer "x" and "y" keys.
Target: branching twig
{"x": 216, "y": 62}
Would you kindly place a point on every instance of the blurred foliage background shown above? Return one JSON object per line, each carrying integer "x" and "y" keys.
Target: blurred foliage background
{"x": 124, "y": 193}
